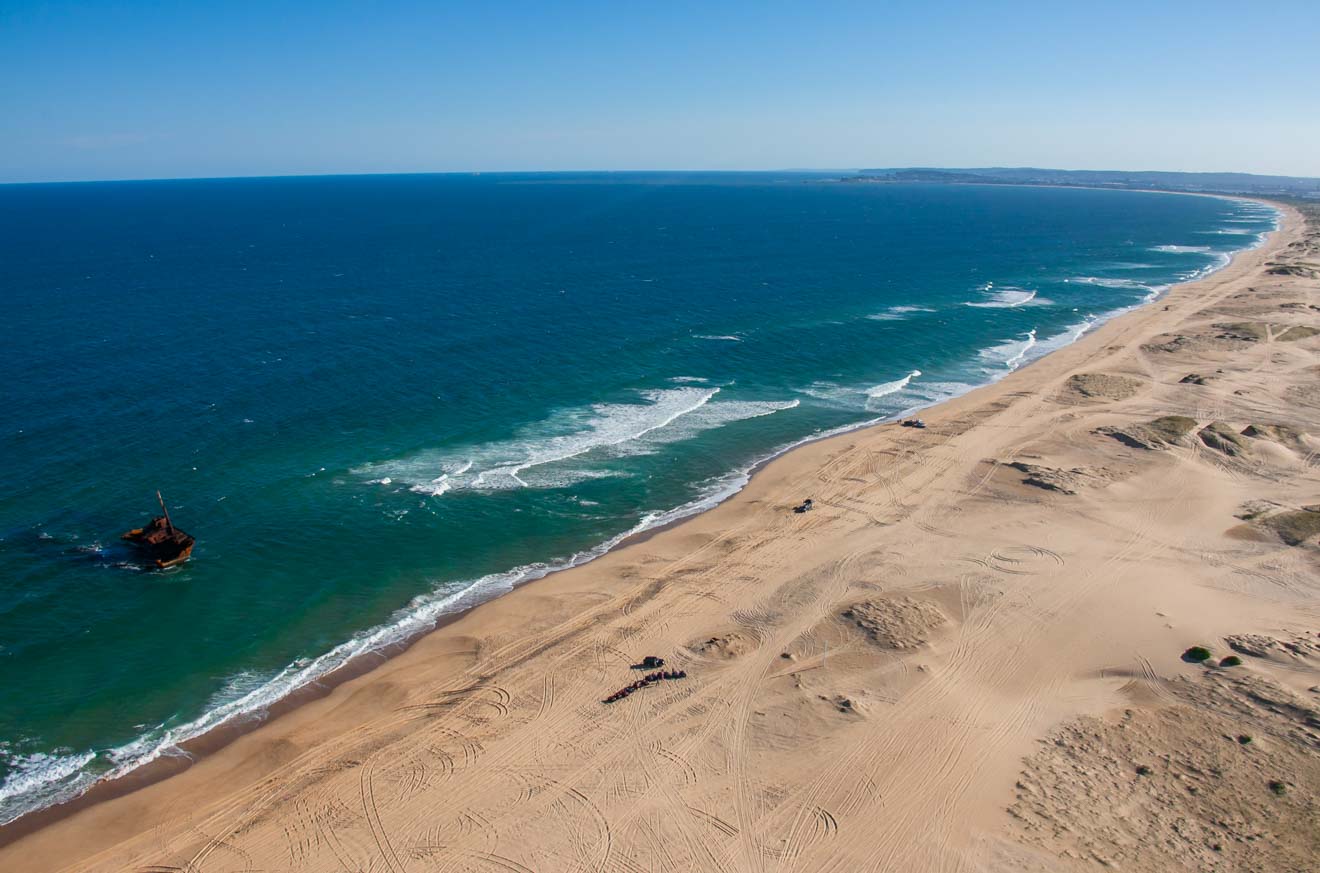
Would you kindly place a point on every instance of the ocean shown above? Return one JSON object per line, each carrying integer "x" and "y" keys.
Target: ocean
{"x": 378, "y": 400}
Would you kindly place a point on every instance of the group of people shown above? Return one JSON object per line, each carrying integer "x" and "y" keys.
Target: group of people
{"x": 913, "y": 422}
{"x": 648, "y": 679}
{"x": 805, "y": 506}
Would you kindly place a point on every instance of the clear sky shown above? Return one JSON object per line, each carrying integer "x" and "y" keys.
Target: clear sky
{"x": 143, "y": 89}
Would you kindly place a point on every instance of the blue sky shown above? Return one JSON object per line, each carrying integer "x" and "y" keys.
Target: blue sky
{"x": 112, "y": 90}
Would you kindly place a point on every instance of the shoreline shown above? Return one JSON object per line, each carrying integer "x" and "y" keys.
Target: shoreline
{"x": 914, "y": 752}
{"x": 223, "y": 734}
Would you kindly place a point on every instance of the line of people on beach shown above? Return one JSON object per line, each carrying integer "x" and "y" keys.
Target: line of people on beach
{"x": 646, "y": 681}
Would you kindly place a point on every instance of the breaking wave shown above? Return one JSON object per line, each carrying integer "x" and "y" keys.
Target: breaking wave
{"x": 1009, "y": 354}
{"x": 1183, "y": 250}
{"x": 573, "y": 446}
{"x": 1005, "y": 298}
{"x": 884, "y": 389}
{"x": 1107, "y": 283}
{"x": 898, "y": 313}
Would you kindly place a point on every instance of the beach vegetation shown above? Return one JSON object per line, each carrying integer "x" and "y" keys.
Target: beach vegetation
{"x": 1295, "y": 527}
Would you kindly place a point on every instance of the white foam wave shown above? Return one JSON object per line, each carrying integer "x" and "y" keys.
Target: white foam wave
{"x": 1067, "y": 337}
{"x": 39, "y": 779}
{"x": 520, "y": 462}
{"x": 1006, "y": 298}
{"x": 864, "y": 398}
{"x": 884, "y": 389}
{"x": 1009, "y": 354}
{"x": 1183, "y": 250}
{"x": 572, "y": 445}
{"x": 1106, "y": 283}
{"x": 1153, "y": 294}
{"x": 729, "y": 338}
{"x": 898, "y": 313}
{"x": 1220, "y": 261}
{"x": 709, "y": 417}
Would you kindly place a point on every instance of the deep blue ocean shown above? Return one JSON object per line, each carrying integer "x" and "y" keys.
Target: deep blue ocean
{"x": 375, "y": 400}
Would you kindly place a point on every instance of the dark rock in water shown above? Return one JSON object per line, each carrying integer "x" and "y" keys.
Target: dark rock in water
{"x": 1223, "y": 438}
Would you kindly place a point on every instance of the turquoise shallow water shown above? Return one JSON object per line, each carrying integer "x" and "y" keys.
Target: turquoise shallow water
{"x": 376, "y": 400}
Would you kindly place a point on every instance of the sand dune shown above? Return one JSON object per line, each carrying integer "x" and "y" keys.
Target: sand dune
{"x": 957, "y": 662}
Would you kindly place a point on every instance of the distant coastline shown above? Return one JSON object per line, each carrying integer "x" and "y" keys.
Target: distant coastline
{"x": 1235, "y": 184}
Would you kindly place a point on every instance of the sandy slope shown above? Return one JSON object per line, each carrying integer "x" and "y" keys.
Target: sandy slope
{"x": 953, "y": 663}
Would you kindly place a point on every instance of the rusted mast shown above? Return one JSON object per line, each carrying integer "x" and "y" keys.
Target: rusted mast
{"x": 169, "y": 525}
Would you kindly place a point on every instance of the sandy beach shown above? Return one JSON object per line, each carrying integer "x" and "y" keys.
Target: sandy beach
{"x": 969, "y": 656}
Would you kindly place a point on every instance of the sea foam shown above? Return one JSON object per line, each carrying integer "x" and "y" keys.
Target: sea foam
{"x": 1005, "y": 298}
{"x": 1183, "y": 250}
{"x": 898, "y": 313}
{"x": 884, "y": 389}
{"x": 574, "y": 445}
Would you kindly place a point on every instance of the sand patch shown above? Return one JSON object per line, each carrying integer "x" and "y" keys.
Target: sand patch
{"x": 900, "y": 622}
{"x": 1297, "y": 332}
{"x": 1259, "y": 331}
{"x": 1199, "y": 343}
{"x": 1060, "y": 480}
{"x": 1303, "y": 272}
{"x": 1300, "y": 647}
{"x": 1097, "y": 387}
{"x": 724, "y": 646}
{"x": 1294, "y": 527}
{"x": 1158, "y": 433}
{"x": 1227, "y": 780}
{"x": 1222, "y": 438}
{"x": 1247, "y": 331}
{"x": 1306, "y": 395}
{"x": 1280, "y": 433}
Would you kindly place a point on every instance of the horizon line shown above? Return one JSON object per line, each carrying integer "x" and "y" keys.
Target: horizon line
{"x": 797, "y": 170}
